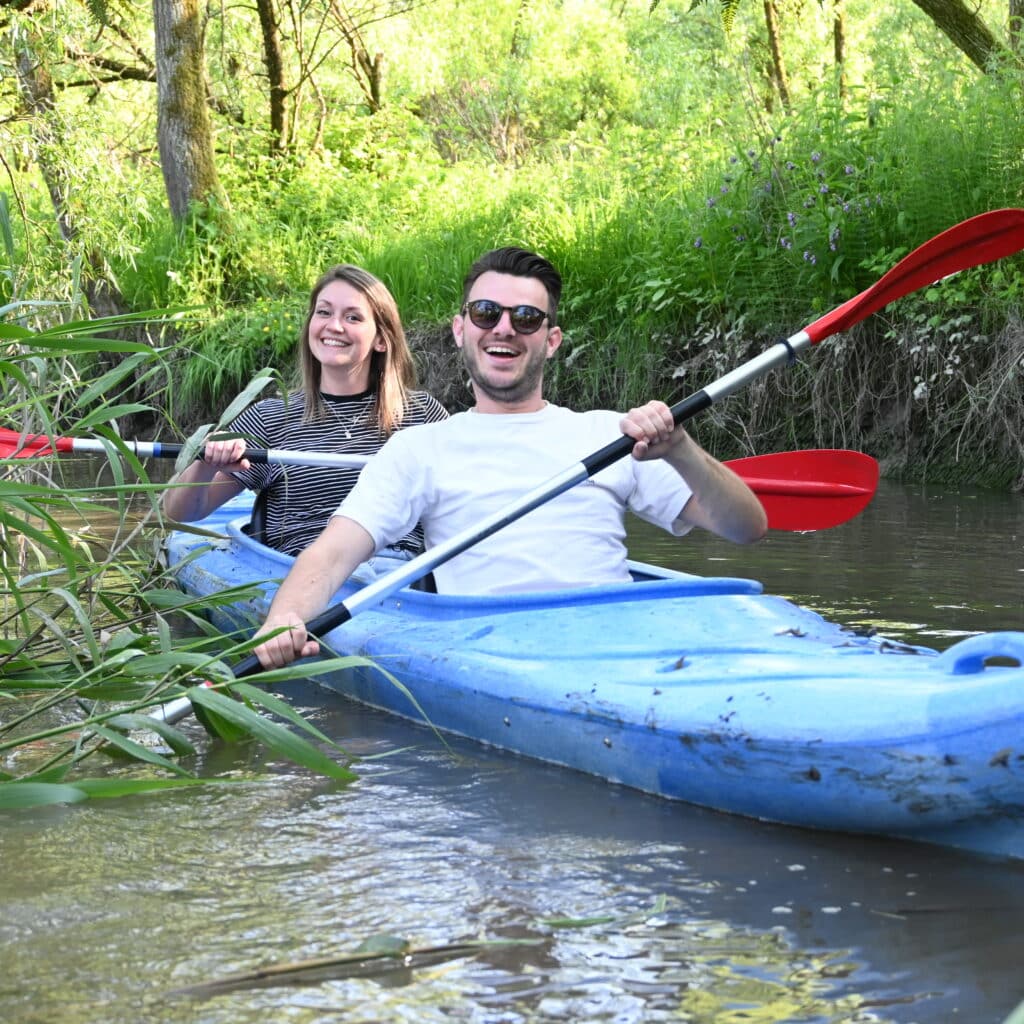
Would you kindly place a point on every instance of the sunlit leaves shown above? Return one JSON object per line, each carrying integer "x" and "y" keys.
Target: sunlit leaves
{"x": 20, "y": 795}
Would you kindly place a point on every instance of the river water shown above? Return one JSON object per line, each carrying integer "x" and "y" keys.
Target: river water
{"x": 625, "y": 908}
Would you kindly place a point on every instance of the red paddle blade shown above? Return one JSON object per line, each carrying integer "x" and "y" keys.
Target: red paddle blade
{"x": 982, "y": 239}
{"x": 14, "y": 445}
{"x": 810, "y": 490}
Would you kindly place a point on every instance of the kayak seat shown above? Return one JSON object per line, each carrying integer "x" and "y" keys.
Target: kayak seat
{"x": 425, "y": 583}
{"x": 257, "y": 525}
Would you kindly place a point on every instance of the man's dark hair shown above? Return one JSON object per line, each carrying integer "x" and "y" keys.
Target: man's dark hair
{"x": 518, "y": 263}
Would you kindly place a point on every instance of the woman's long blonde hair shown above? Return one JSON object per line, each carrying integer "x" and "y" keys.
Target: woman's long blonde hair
{"x": 392, "y": 372}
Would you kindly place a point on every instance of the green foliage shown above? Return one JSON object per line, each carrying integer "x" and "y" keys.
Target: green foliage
{"x": 637, "y": 145}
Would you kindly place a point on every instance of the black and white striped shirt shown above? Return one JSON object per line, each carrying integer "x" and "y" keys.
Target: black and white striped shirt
{"x": 294, "y": 503}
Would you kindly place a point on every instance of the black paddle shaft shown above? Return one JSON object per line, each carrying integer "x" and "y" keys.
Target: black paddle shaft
{"x": 622, "y": 446}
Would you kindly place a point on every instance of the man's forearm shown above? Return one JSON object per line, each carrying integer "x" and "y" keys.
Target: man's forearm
{"x": 305, "y": 592}
{"x": 721, "y": 501}
{"x": 307, "y": 588}
{"x": 320, "y": 570}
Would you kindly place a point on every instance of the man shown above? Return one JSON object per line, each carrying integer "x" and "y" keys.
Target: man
{"x": 451, "y": 475}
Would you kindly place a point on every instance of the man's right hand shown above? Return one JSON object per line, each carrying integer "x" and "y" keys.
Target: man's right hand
{"x": 294, "y": 642}
{"x": 304, "y": 593}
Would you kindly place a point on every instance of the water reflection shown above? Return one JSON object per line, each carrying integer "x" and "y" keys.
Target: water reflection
{"x": 645, "y": 910}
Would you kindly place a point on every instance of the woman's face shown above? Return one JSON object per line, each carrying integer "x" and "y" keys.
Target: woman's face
{"x": 343, "y": 337}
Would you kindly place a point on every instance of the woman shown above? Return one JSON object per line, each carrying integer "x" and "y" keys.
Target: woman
{"x": 357, "y": 389}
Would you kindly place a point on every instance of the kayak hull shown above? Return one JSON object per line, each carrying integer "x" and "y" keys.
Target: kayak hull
{"x": 702, "y": 689}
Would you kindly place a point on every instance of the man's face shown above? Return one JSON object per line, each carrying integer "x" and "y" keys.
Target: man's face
{"x": 506, "y": 368}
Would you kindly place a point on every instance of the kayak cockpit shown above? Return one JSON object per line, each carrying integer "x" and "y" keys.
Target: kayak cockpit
{"x": 646, "y": 579}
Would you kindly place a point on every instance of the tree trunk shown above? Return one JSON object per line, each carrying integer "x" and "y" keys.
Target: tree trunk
{"x": 1016, "y": 26}
{"x": 964, "y": 28}
{"x": 771, "y": 20}
{"x": 184, "y": 136}
{"x": 275, "y": 74}
{"x": 839, "y": 44}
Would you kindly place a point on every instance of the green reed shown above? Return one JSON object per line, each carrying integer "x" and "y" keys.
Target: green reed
{"x": 94, "y": 634}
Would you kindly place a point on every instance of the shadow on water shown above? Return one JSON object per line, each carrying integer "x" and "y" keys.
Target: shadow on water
{"x": 645, "y": 910}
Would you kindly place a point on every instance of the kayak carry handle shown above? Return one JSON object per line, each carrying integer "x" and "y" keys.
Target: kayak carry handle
{"x": 969, "y": 656}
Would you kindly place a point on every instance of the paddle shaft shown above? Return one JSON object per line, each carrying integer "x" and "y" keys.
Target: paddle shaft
{"x": 373, "y": 593}
{"x": 37, "y": 445}
{"x": 761, "y": 477}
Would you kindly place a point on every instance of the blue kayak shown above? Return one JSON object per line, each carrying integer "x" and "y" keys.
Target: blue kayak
{"x": 701, "y": 689}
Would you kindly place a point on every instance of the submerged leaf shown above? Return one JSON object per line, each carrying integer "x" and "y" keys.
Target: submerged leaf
{"x": 279, "y": 739}
{"x": 136, "y": 751}
{"x": 174, "y": 738}
{"x": 377, "y": 956}
{"x": 16, "y": 795}
{"x": 274, "y": 703}
{"x": 112, "y": 788}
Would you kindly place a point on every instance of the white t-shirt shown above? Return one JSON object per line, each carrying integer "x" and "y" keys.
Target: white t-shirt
{"x": 451, "y": 475}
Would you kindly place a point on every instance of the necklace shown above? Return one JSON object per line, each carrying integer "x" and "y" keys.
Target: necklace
{"x": 346, "y": 421}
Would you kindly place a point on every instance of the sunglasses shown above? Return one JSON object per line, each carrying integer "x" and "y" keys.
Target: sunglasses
{"x": 485, "y": 314}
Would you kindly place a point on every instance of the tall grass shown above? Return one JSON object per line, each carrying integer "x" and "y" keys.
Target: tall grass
{"x": 672, "y": 278}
